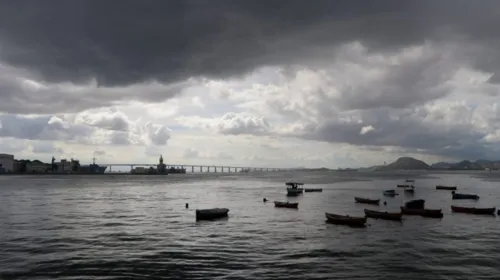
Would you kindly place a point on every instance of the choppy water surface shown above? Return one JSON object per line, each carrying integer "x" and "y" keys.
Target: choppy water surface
{"x": 120, "y": 227}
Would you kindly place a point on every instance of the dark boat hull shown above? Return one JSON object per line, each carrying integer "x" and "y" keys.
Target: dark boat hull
{"x": 345, "y": 220}
{"x": 403, "y": 186}
{"x": 367, "y": 200}
{"x": 428, "y": 213}
{"x": 464, "y": 196}
{"x": 211, "y": 214}
{"x": 448, "y": 188}
{"x": 286, "y": 204}
{"x": 473, "y": 210}
{"x": 313, "y": 190}
{"x": 383, "y": 215}
{"x": 415, "y": 204}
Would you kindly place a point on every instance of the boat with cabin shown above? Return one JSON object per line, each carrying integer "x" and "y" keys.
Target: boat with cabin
{"x": 293, "y": 188}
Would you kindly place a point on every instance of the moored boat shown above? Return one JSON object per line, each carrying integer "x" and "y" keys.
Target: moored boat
{"x": 449, "y": 188}
{"x": 463, "y": 196}
{"x": 367, "y": 200}
{"x": 293, "y": 188}
{"x": 415, "y": 204}
{"x": 429, "y": 213}
{"x": 403, "y": 186}
{"x": 473, "y": 210}
{"x": 346, "y": 220}
{"x": 286, "y": 204}
{"x": 383, "y": 215}
{"x": 211, "y": 214}
{"x": 313, "y": 190}
{"x": 409, "y": 181}
{"x": 410, "y": 190}
{"x": 390, "y": 193}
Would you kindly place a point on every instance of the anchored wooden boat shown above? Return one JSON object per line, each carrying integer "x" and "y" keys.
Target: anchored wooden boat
{"x": 415, "y": 204}
{"x": 410, "y": 190}
{"x": 211, "y": 214}
{"x": 345, "y": 220}
{"x": 390, "y": 193}
{"x": 367, "y": 200}
{"x": 409, "y": 181}
{"x": 313, "y": 190}
{"x": 428, "y": 213}
{"x": 403, "y": 186}
{"x": 286, "y": 204}
{"x": 383, "y": 215}
{"x": 449, "y": 188}
{"x": 464, "y": 196}
{"x": 473, "y": 210}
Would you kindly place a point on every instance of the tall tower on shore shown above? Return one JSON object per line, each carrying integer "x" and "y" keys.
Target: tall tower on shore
{"x": 161, "y": 166}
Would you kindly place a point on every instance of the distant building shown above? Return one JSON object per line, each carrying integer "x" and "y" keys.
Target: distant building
{"x": 6, "y": 163}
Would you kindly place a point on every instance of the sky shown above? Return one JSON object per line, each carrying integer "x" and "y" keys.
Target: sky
{"x": 250, "y": 83}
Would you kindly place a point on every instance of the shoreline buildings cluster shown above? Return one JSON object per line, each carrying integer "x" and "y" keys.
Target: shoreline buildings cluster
{"x": 10, "y": 165}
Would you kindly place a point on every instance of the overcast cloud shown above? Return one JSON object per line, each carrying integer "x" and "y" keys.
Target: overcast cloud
{"x": 422, "y": 76}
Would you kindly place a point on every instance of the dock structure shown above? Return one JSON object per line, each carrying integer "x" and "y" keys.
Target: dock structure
{"x": 199, "y": 168}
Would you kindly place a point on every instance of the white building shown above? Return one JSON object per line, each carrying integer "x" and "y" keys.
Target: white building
{"x": 7, "y": 162}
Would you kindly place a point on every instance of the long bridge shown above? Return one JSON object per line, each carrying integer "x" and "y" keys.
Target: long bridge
{"x": 198, "y": 168}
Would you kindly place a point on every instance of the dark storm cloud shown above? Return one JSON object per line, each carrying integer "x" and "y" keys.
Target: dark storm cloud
{"x": 125, "y": 42}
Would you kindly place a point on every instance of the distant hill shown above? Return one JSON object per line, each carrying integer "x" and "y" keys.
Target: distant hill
{"x": 405, "y": 163}
{"x": 480, "y": 164}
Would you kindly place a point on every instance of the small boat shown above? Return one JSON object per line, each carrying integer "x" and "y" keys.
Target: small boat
{"x": 410, "y": 190}
{"x": 293, "y": 188}
{"x": 449, "y": 188}
{"x": 403, "y": 186}
{"x": 409, "y": 181}
{"x": 211, "y": 214}
{"x": 473, "y": 210}
{"x": 415, "y": 204}
{"x": 286, "y": 204}
{"x": 313, "y": 190}
{"x": 390, "y": 193}
{"x": 463, "y": 196}
{"x": 428, "y": 213}
{"x": 367, "y": 200}
{"x": 383, "y": 215}
{"x": 345, "y": 220}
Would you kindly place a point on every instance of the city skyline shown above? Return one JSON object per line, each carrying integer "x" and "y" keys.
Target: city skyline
{"x": 328, "y": 84}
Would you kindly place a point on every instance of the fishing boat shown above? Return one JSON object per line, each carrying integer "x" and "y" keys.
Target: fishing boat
{"x": 345, "y": 220}
{"x": 313, "y": 190}
{"x": 383, "y": 215}
{"x": 286, "y": 204}
{"x": 293, "y": 188}
{"x": 211, "y": 214}
{"x": 415, "y": 204}
{"x": 428, "y": 213}
{"x": 473, "y": 210}
{"x": 367, "y": 200}
{"x": 403, "y": 186}
{"x": 464, "y": 196}
{"x": 390, "y": 193}
{"x": 449, "y": 188}
{"x": 409, "y": 181}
